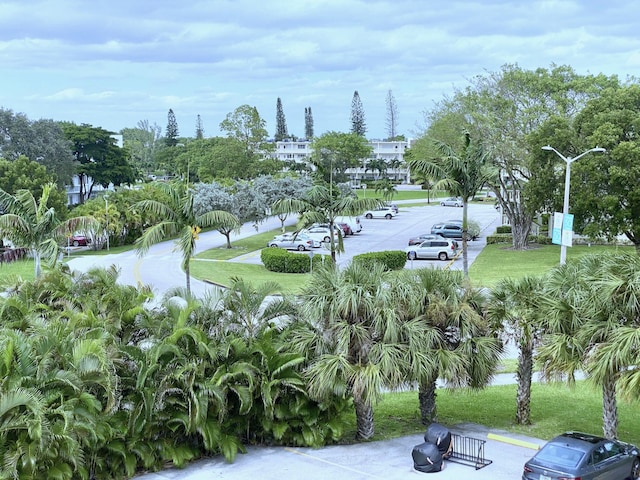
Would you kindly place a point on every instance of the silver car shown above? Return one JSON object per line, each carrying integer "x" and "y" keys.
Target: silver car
{"x": 442, "y": 249}
{"x": 291, "y": 241}
{"x": 451, "y": 202}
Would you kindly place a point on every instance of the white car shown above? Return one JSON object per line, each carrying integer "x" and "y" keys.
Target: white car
{"x": 322, "y": 234}
{"x": 383, "y": 212}
{"x": 442, "y": 249}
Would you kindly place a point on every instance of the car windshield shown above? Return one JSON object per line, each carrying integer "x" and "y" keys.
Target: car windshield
{"x": 560, "y": 455}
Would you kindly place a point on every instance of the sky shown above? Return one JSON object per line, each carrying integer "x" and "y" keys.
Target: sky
{"x": 113, "y": 64}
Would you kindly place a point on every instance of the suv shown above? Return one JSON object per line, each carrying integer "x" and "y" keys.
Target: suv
{"x": 442, "y": 249}
{"x": 448, "y": 230}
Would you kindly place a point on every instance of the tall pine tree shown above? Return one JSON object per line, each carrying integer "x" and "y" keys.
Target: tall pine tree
{"x": 199, "y": 128}
{"x": 281, "y": 123}
{"x": 171, "y": 136}
{"x": 308, "y": 124}
{"x": 358, "y": 125}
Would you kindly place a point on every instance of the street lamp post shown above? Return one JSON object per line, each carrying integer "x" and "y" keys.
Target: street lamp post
{"x": 567, "y": 179}
{"x": 106, "y": 210}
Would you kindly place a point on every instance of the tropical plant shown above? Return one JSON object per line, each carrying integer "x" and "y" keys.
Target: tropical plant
{"x": 513, "y": 307}
{"x": 32, "y": 225}
{"x": 590, "y": 308}
{"x": 348, "y": 328}
{"x": 454, "y": 341}
{"x": 178, "y": 218}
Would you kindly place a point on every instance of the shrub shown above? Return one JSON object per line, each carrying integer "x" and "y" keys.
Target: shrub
{"x": 508, "y": 238}
{"x": 282, "y": 261}
{"x": 391, "y": 259}
{"x": 503, "y": 229}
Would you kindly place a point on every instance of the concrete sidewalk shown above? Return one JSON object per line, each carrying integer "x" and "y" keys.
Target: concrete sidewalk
{"x": 388, "y": 460}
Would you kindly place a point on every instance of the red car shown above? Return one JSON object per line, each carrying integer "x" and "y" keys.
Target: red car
{"x": 79, "y": 240}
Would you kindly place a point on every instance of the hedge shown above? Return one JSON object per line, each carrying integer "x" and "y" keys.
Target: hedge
{"x": 391, "y": 259}
{"x": 283, "y": 261}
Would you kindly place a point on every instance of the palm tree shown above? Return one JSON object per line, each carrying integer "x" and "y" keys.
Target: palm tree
{"x": 177, "y": 219}
{"x": 514, "y": 308}
{"x": 322, "y": 203}
{"x": 460, "y": 345}
{"x": 349, "y": 328}
{"x": 592, "y": 316}
{"x": 29, "y": 224}
{"x": 463, "y": 173}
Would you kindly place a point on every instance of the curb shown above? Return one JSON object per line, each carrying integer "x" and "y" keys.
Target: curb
{"x": 513, "y": 441}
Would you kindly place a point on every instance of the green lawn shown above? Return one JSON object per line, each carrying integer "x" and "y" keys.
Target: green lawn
{"x": 555, "y": 408}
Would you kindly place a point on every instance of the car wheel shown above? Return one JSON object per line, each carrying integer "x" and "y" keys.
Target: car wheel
{"x": 635, "y": 469}
{"x": 76, "y": 243}
{"x": 442, "y": 204}
{"x": 411, "y": 255}
{"x": 273, "y": 245}
{"x": 443, "y": 256}
{"x": 388, "y": 216}
{"x": 458, "y": 205}
{"x": 326, "y": 239}
{"x": 369, "y": 216}
{"x": 301, "y": 248}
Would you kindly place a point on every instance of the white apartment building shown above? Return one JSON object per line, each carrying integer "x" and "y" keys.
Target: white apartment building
{"x": 391, "y": 152}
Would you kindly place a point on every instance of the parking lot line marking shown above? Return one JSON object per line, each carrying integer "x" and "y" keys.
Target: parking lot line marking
{"x": 359, "y": 472}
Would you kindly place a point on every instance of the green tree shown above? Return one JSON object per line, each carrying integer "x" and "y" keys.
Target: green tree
{"x": 143, "y": 143}
{"x": 171, "y": 133}
{"x": 32, "y": 225}
{"x": 101, "y": 160}
{"x": 514, "y": 306}
{"x": 308, "y": 123}
{"x": 462, "y": 172}
{"x": 41, "y": 141}
{"x": 590, "y": 310}
{"x": 177, "y": 219}
{"x": 348, "y": 328}
{"x": 605, "y": 190}
{"x": 246, "y": 126}
{"x": 281, "y": 123}
{"x": 358, "y": 123}
{"x": 24, "y": 174}
{"x": 450, "y": 339}
{"x": 335, "y": 152}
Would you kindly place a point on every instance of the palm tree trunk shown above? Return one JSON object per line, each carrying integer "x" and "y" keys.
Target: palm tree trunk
{"x": 427, "y": 398}
{"x": 364, "y": 420}
{"x": 36, "y": 262}
{"x": 609, "y": 408}
{"x": 465, "y": 230}
{"x": 524, "y": 374}
{"x": 187, "y": 273}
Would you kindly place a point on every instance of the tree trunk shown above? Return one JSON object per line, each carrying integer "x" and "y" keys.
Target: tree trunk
{"x": 227, "y": 235}
{"x": 187, "y": 273}
{"x": 364, "y": 420}
{"x": 36, "y": 262}
{"x": 609, "y": 408}
{"x": 523, "y": 395}
{"x": 427, "y": 398}
{"x": 465, "y": 230}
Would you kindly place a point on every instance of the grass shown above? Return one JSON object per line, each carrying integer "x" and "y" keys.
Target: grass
{"x": 498, "y": 261}
{"x": 555, "y": 408}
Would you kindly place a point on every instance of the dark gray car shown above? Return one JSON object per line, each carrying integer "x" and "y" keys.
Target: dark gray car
{"x": 584, "y": 456}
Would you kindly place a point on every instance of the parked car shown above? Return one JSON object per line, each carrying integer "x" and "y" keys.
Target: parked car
{"x": 354, "y": 223}
{"x": 418, "y": 239}
{"x": 393, "y": 207}
{"x": 383, "y": 212}
{"x": 346, "y": 229}
{"x": 291, "y": 241}
{"x": 448, "y": 230}
{"x": 443, "y": 249}
{"x": 451, "y": 202}
{"x": 79, "y": 241}
{"x": 583, "y": 456}
{"x": 322, "y": 234}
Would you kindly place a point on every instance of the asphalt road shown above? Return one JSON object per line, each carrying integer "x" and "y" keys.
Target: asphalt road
{"x": 160, "y": 267}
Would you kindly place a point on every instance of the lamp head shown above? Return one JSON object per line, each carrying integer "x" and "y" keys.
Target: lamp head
{"x": 598, "y": 149}
{"x": 547, "y": 147}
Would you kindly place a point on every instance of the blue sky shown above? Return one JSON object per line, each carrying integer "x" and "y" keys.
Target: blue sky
{"x": 112, "y": 64}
